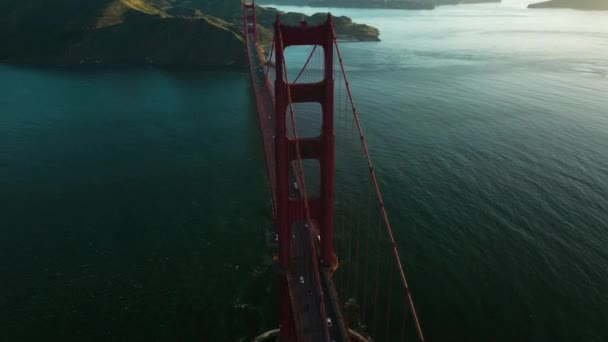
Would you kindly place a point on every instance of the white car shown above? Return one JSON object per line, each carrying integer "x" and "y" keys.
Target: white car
{"x": 329, "y": 323}
{"x": 301, "y": 280}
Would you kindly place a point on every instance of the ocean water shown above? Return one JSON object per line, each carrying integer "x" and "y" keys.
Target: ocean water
{"x": 131, "y": 207}
{"x": 133, "y": 201}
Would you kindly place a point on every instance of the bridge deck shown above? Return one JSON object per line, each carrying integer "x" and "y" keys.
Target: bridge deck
{"x": 301, "y": 279}
{"x": 304, "y": 298}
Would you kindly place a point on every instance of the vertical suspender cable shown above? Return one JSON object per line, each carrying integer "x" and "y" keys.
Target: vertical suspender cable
{"x": 388, "y": 301}
{"x": 382, "y": 208}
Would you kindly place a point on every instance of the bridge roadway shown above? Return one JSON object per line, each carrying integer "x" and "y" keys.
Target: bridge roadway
{"x": 304, "y": 296}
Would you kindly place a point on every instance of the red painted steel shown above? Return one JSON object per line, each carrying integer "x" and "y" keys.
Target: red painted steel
{"x": 286, "y": 95}
{"x": 250, "y": 14}
{"x": 264, "y": 102}
{"x": 284, "y": 153}
{"x": 322, "y": 93}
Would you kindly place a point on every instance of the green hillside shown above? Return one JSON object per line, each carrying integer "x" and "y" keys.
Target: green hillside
{"x": 135, "y": 32}
{"x": 112, "y": 32}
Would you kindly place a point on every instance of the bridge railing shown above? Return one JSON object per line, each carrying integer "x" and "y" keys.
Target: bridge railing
{"x": 263, "y": 90}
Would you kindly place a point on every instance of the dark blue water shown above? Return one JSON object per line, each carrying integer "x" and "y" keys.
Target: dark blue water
{"x": 131, "y": 206}
{"x": 133, "y": 202}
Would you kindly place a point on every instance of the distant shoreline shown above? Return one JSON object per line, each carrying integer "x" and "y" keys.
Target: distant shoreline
{"x": 584, "y": 5}
{"x": 184, "y": 35}
{"x": 368, "y": 4}
{"x": 409, "y": 5}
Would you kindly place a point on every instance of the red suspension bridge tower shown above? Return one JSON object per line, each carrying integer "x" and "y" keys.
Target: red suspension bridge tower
{"x": 333, "y": 211}
{"x": 295, "y": 209}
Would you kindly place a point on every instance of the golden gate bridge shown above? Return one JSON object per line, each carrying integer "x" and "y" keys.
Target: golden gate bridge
{"x": 340, "y": 274}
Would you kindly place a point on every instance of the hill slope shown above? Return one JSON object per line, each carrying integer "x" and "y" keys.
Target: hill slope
{"x": 391, "y": 4}
{"x": 112, "y": 32}
{"x": 230, "y": 11}
{"x": 159, "y": 32}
